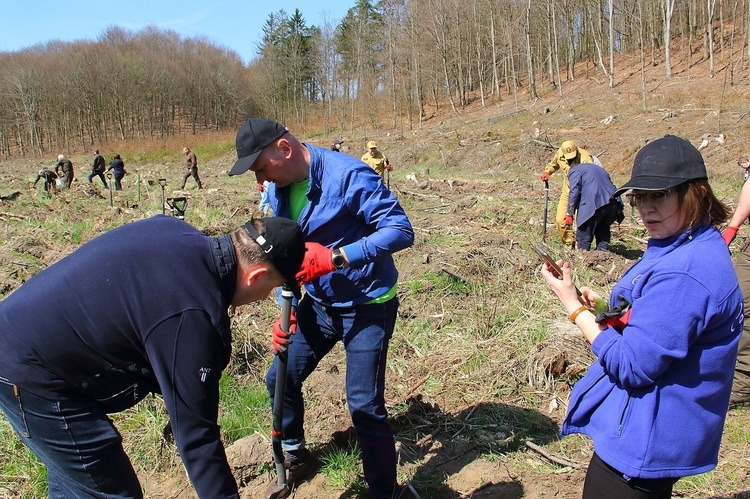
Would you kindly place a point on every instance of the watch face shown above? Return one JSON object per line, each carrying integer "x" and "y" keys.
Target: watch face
{"x": 338, "y": 260}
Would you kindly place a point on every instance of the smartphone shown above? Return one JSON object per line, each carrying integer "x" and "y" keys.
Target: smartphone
{"x": 555, "y": 268}
{"x": 548, "y": 260}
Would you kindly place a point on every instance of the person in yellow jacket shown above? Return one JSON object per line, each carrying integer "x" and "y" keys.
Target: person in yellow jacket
{"x": 376, "y": 159}
{"x": 568, "y": 155}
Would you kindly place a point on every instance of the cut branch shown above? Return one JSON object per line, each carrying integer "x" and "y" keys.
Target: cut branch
{"x": 551, "y": 457}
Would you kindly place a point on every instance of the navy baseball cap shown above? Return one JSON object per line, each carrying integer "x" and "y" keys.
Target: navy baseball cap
{"x": 663, "y": 164}
{"x": 284, "y": 244}
{"x": 254, "y": 135}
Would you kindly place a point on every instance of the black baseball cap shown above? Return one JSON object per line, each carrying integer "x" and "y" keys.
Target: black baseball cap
{"x": 253, "y": 136}
{"x": 663, "y": 164}
{"x": 285, "y": 246}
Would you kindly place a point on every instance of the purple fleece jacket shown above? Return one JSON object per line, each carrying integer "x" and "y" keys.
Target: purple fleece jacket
{"x": 655, "y": 401}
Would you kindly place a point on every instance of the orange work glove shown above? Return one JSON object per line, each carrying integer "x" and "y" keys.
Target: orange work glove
{"x": 281, "y": 339}
{"x": 568, "y": 220}
{"x": 729, "y": 234}
{"x": 318, "y": 261}
{"x": 545, "y": 176}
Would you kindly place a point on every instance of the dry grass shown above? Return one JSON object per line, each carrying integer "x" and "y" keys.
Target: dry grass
{"x": 483, "y": 358}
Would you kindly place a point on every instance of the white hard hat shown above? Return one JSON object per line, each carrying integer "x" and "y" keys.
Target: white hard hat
{"x": 61, "y": 156}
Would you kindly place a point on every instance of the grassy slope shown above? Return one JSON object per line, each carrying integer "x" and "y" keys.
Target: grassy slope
{"x": 483, "y": 359}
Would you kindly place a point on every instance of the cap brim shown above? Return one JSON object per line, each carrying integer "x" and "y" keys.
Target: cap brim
{"x": 244, "y": 164}
{"x": 649, "y": 184}
{"x": 570, "y": 156}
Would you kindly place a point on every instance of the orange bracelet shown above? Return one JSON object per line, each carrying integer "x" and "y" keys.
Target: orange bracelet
{"x": 575, "y": 314}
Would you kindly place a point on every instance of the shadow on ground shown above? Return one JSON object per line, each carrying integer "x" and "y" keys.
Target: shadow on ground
{"x": 451, "y": 455}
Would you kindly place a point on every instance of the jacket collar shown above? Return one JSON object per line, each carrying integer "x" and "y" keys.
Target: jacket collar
{"x": 225, "y": 261}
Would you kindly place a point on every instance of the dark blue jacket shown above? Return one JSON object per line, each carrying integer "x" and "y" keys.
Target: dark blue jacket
{"x": 590, "y": 188}
{"x": 118, "y": 166}
{"x": 349, "y": 207}
{"x": 120, "y": 315}
{"x": 655, "y": 400}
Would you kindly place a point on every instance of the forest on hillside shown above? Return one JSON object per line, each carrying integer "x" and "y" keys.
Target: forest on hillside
{"x": 385, "y": 64}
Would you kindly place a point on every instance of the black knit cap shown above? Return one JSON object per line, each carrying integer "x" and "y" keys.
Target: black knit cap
{"x": 663, "y": 164}
{"x": 253, "y": 136}
{"x": 285, "y": 246}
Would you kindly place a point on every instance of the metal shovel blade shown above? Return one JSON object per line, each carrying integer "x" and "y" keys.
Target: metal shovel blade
{"x": 276, "y": 491}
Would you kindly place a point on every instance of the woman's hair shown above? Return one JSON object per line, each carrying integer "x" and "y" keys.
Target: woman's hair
{"x": 248, "y": 251}
{"x": 700, "y": 204}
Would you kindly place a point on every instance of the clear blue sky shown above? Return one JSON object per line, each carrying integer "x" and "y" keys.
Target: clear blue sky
{"x": 233, "y": 24}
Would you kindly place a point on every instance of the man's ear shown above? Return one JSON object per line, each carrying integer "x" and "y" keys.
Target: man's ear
{"x": 284, "y": 147}
{"x": 253, "y": 274}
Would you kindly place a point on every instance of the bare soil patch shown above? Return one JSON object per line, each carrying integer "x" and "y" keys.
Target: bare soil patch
{"x": 483, "y": 359}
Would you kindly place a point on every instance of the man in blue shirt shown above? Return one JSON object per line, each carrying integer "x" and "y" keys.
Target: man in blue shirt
{"x": 352, "y": 225}
{"x": 162, "y": 331}
{"x": 591, "y": 200}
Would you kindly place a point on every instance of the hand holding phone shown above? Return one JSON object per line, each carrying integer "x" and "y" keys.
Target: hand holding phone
{"x": 553, "y": 266}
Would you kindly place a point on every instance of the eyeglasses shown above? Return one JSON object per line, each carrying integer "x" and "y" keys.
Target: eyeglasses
{"x": 655, "y": 198}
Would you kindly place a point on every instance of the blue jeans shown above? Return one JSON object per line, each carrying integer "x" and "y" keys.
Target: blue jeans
{"x": 365, "y": 331}
{"x": 264, "y": 205}
{"x": 77, "y": 442}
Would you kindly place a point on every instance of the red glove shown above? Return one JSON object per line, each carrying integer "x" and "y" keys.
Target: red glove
{"x": 281, "y": 339}
{"x": 388, "y": 167}
{"x": 568, "y": 220}
{"x": 620, "y": 322}
{"x": 318, "y": 261}
{"x": 545, "y": 176}
{"x": 729, "y": 234}
{"x": 260, "y": 187}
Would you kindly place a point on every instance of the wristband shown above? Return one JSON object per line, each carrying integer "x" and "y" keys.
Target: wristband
{"x": 575, "y": 314}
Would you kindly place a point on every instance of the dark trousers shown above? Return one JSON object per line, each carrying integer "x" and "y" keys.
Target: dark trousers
{"x": 67, "y": 179}
{"x": 193, "y": 172}
{"x": 100, "y": 175}
{"x": 118, "y": 181}
{"x": 76, "y": 442}
{"x": 741, "y": 382}
{"x": 605, "y": 482}
{"x": 365, "y": 331}
{"x": 599, "y": 226}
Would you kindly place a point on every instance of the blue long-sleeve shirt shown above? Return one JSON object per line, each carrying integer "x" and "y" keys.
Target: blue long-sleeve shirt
{"x": 120, "y": 313}
{"x": 349, "y": 207}
{"x": 655, "y": 401}
{"x": 590, "y": 188}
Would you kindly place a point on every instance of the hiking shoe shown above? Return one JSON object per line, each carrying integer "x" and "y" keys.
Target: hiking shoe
{"x": 301, "y": 465}
{"x": 739, "y": 399}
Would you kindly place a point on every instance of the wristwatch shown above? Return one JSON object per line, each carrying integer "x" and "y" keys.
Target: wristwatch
{"x": 338, "y": 259}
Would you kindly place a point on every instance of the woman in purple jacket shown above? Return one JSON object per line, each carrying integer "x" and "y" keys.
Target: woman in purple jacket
{"x": 655, "y": 401}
